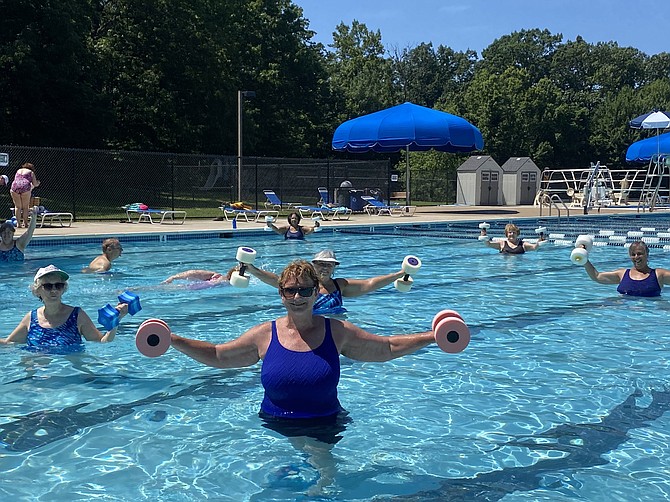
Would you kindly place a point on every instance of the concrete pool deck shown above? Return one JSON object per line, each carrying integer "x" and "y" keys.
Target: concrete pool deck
{"x": 424, "y": 214}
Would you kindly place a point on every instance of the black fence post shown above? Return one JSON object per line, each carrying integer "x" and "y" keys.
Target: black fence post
{"x": 171, "y": 161}
{"x": 72, "y": 184}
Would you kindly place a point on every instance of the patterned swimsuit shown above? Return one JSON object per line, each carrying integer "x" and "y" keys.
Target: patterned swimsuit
{"x": 11, "y": 255}
{"x": 65, "y": 337}
{"x": 22, "y": 183}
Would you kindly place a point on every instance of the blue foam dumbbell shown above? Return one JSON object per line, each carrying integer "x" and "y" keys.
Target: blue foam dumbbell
{"x": 132, "y": 300}
{"x": 108, "y": 316}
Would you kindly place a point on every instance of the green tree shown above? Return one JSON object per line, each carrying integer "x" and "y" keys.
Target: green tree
{"x": 49, "y": 78}
{"x": 361, "y": 77}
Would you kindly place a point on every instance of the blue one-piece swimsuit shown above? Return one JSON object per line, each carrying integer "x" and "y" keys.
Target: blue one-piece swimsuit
{"x": 64, "y": 336}
{"x": 11, "y": 255}
{"x": 330, "y": 303}
{"x": 301, "y": 384}
{"x": 645, "y": 287}
{"x": 290, "y": 235}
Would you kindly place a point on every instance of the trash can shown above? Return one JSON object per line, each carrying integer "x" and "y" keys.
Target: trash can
{"x": 342, "y": 194}
{"x": 342, "y": 197}
{"x": 355, "y": 201}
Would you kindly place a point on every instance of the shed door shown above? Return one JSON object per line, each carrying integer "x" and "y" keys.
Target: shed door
{"x": 528, "y": 187}
{"x": 489, "y": 188}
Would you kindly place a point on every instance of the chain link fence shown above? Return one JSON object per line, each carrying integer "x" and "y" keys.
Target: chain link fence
{"x": 94, "y": 184}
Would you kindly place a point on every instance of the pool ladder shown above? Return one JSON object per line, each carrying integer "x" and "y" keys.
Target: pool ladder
{"x": 554, "y": 200}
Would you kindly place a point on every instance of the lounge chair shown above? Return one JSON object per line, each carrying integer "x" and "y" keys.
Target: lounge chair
{"x": 275, "y": 202}
{"x": 375, "y": 207}
{"x": 46, "y": 217}
{"x": 338, "y": 213}
{"x": 232, "y": 213}
{"x": 328, "y": 207}
{"x": 148, "y": 215}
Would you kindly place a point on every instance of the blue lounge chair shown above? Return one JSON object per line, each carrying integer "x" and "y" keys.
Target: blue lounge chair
{"x": 330, "y": 209}
{"x": 375, "y": 207}
{"x": 275, "y": 202}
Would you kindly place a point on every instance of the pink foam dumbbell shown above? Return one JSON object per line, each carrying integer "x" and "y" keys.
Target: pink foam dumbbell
{"x": 153, "y": 338}
{"x": 451, "y": 333}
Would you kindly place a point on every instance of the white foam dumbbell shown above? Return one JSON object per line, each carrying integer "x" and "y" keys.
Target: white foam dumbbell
{"x": 245, "y": 256}
{"x": 484, "y": 227}
{"x": 451, "y": 333}
{"x": 540, "y": 231}
{"x": 317, "y": 223}
{"x": 269, "y": 220}
{"x": 583, "y": 245}
{"x": 410, "y": 265}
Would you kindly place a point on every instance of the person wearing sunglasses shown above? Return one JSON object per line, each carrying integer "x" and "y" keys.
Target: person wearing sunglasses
{"x": 111, "y": 250}
{"x": 300, "y": 370}
{"x": 56, "y": 327}
{"x": 301, "y": 351}
{"x": 332, "y": 290}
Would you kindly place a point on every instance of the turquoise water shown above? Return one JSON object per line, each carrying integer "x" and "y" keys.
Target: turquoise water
{"x": 561, "y": 394}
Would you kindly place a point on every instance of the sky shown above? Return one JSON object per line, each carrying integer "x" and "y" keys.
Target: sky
{"x": 475, "y": 24}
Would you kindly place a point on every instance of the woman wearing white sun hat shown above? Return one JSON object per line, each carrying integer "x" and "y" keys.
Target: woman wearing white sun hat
{"x": 332, "y": 290}
{"x": 55, "y": 326}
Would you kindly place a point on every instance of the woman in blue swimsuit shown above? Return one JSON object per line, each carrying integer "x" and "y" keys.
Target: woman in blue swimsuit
{"x": 56, "y": 326}
{"x": 294, "y": 230}
{"x": 640, "y": 280}
{"x": 301, "y": 365}
{"x": 11, "y": 250}
{"x": 300, "y": 351}
{"x": 332, "y": 290}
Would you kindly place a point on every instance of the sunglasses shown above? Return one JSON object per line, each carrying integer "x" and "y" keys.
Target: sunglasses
{"x": 303, "y": 292}
{"x": 56, "y": 285}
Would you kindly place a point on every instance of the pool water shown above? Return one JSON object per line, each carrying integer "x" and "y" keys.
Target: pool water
{"x": 562, "y": 393}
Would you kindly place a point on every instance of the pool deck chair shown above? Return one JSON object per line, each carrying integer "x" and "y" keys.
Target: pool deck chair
{"x": 149, "y": 215}
{"x": 231, "y": 213}
{"x": 275, "y": 202}
{"x": 49, "y": 218}
{"x": 374, "y": 207}
{"x": 337, "y": 213}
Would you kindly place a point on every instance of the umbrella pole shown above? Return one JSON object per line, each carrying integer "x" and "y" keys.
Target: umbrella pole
{"x": 407, "y": 191}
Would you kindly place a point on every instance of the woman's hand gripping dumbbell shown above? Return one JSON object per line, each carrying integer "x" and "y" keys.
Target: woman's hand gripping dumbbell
{"x": 245, "y": 256}
{"x": 483, "y": 235}
{"x": 583, "y": 245}
{"x": 410, "y": 266}
{"x": 109, "y": 316}
{"x": 542, "y": 238}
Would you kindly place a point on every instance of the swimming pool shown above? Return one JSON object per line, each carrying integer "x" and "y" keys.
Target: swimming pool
{"x": 561, "y": 394}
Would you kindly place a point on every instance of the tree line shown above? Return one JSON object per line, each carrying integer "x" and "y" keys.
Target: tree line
{"x": 160, "y": 75}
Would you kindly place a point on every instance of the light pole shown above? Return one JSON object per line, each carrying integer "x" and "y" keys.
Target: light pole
{"x": 240, "y": 109}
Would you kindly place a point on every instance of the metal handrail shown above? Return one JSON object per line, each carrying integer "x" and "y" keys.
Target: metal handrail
{"x": 553, "y": 200}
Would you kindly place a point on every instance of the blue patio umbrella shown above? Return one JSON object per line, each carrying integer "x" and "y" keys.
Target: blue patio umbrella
{"x": 407, "y": 127}
{"x": 653, "y": 120}
{"x": 645, "y": 149}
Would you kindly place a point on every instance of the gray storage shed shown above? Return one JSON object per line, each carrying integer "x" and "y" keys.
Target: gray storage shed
{"x": 478, "y": 182}
{"x": 521, "y": 179}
